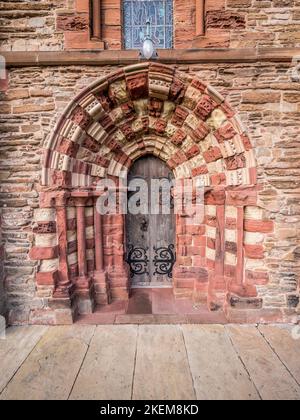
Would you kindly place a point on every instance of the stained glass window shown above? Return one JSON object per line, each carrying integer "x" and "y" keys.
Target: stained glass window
{"x": 136, "y": 14}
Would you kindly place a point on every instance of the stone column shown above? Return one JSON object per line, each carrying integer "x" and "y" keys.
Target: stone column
{"x": 200, "y": 17}
{"x": 96, "y": 19}
{"x": 81, "y": 240}
{"x": 217, "y": 286}
{"x": 63, "y": 286}
{"x": 83, "y": 289}
{"x": 102, "y": 291}
{"x": 114, "y": 246}
{"x": 240, "y": 275}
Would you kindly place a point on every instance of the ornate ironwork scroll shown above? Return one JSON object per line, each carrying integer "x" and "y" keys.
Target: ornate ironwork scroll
{"x": 164, "y": 260}
{"x": 138, "y": 261}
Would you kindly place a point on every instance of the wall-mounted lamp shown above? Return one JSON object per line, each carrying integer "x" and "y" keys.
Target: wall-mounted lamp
{"x": 148, "y": 50}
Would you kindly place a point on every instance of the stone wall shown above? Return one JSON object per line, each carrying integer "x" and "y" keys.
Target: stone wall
{"x": 268, "y": 104}
{"x": 2, "y": 291}
{"x": 55, "y": 25}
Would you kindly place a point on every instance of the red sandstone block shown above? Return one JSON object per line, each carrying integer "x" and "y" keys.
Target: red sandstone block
{"x": 214, "y": 5}
{"x": 179, "y": 158}
{"x": 224, "y": 133}
{"x": 181, "y": 250}
{"x": 72, "y": 23}
{"x": 218, "y": 179}
{"x": 230, "y": 271}
{"x": 187, "y": 283}
{"x": 246, "y": 197}
{"x": 202, "y": 275}
{"x": 72, "y": 247}
{"x": 199, "y": 261}
{"x": 211, "y": 243}
{"x": 259, "y": 278}
{"x": 210, "y": 264}
{"x": 246, "y": 141}
{"x": 47, "y": 279}
{"x": 196, "y": 250}
{"x": 185, "y": 261}
{"x": 195, "y": 230}
{"x": 199, "y": 241}
{"x": 215, "y": 197}
{"x": 192, "y": 152}
{"x": 73, "y": 271}
{"x": 244, "y": 291}
{"x": 253, "y": 175}
{"x": 171, "y": 163}
{"x": 262, "y": 226}
{"x": 89, "y": 221}
{"x": 90, "y": 243}
{"x": 211, "y": 221}
{"x": 119, "y": 293}
{"x": 71, "y": 224}
{"x": 202, "y": 170}
{"x": 185, "y": 240}
{"x": 179, "y": 116}
{"x": 45, "y": 253}
{"x": 230, "y": 223}
{"x": 82, "y": 6}
{"x": 254, "y": 251}
{"x": 212, "y": 154}
{"x": 114, "y": 240}
{"x": 235, "y": 162}
{"x": 47, "y": 200}
{"x": 81, "y": 40}
{"x": 201, "y": 287}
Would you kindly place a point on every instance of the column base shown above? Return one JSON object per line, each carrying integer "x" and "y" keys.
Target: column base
{"x": 64, "y": 292}
{"x": 216, "y": 297}
{"x": 200, "y": 293}
{"x": 84, "y": 300}
{"x": 119, "y": 283}
{"x": 102, "y": 290}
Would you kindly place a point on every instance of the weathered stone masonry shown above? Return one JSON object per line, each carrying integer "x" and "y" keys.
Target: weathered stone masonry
{"x": 65, "y": 126}
{"x": 270, "y": 222}
{"x": 55, "y": 25}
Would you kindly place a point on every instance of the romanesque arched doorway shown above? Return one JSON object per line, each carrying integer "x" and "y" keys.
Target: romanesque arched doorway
{"x": 150, "y": 224}
{"x": 141, "y": 110}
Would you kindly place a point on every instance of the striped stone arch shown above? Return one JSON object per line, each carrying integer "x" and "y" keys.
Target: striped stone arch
{"x": 149, "y": 108}
{"x": 139, "y": 110}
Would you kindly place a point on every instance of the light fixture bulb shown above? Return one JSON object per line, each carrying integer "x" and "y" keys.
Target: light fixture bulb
{"x": 148, "y": 49}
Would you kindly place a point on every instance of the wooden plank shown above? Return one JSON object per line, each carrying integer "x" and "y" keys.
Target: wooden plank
{"x": 217, "y": 371}
{"x": 107, "y": 372}
{"x": 15, "y": 348}
{"x": 271, "y": 378}
{"x": 148, "y": 231}
{"x": 125, "y": 57}
{"x": 162, "y": 370}
{"x": 285, "y": 341}
{"x": 50, "y": 370}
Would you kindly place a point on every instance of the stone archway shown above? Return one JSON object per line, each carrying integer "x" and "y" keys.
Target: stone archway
{"x": 140, "y": 110}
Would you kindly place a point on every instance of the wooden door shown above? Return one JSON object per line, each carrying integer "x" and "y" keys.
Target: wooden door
{"x": 150, "y": 237}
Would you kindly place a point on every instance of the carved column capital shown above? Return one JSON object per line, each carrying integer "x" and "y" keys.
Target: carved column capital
{"x": 81, "y": 198}
{"x": 80, "y": 201}
{"x": 61, "y": 198}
